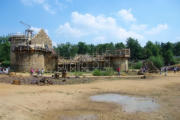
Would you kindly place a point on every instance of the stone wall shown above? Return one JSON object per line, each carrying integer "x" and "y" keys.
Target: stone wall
{"x": 51, "y": 63}
{"x": 41, "y": 39}
{"x": 15, "y": 41}
{"x": 25, "y": 61}
{"x": 120, "y": 62}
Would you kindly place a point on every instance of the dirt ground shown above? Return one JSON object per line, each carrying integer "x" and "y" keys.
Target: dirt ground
{"x": 72, "y": 102}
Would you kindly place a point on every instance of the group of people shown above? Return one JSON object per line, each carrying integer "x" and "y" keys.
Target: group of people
{"x": 37, "y": 71}
{"x": 4, "y": 70}
{"x": 175, "y": 69}
{"x": 165, "y": 70}
{"x": 144, "y": 69}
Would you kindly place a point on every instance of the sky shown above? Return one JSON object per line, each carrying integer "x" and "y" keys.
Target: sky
{"x": 94, "y": 21}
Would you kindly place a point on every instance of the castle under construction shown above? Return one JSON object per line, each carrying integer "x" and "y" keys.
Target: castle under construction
{"x": 36, "y": 51}
{"x": 110, "y": 59}
{"x": 32, "y": 51}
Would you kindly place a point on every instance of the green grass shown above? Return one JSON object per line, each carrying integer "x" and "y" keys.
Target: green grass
{"x": 106, "y": 72}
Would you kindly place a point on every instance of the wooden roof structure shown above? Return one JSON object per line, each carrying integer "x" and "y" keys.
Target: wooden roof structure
{"x": 121, "y": 53}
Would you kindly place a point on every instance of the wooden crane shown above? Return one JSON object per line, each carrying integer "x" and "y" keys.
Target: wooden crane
{"x": 28, "y": 26}
{"x": 28, "y": 31}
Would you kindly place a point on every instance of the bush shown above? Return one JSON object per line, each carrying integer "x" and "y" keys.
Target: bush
{"x": 177, "y": 60}
{"x": 5, "y": 63}
{"x": 137, "y": 65}
{"x": 157, "y": 61}
{"x": 97, "y": 72}
{"x": 107, "y": 72}
{"x": 78, "y": 73}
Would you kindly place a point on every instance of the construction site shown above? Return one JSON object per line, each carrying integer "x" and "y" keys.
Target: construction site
{"x": 90, "y": 60}
{"x": 36, "y": 51}
{"x": 32, "y": 51}
{"x": 60, "y": 94}
{"x": 111, "y": 58}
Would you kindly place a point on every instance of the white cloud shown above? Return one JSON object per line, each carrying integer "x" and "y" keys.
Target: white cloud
{"x": 96, "y": 28}
{"x": 36, "y": 30}
{"x": 126, "y": 15}
{"x": 93, "y": 22}
{"x": 59, "y": 5}
{"x": 157, "y": 29}
{"x": 66, "y": 29}
{"x": 124, "y": 34}
{"x": 46, "y": 6}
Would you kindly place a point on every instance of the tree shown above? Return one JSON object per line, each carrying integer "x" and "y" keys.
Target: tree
{"x": 101, "y": 48}
{"x": 169, "y": 58}
{"x": 120, "y": 45}
{"x": 110, "y": 46}
{"x": 166, "y": 46}
{"x": 157, "y": 61}
{"x": 73, "y": 50}
{"x": 82, "y": 48}
{"x": 66, "y": 50}
{"x": 151, "y": 49}
{"x": 135, "y": 48}
{"x": 176, "y": 49}
{"x": 4, "y": 49}
{"x": 167, "y": 53}
{"x": 91, "y": 49}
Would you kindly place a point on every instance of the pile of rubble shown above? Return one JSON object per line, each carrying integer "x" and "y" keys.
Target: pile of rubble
{"x": 149, "y": 67}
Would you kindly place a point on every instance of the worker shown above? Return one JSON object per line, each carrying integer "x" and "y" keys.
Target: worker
{"x": 32, "y": 71}
{"x": 42, "y": 71}
{"x": 38, "y": 71}
{"x": 165, "y": 71}
{"x": 175, "y": 69}
{"x": 162, "y": 70}
{"x": 118, "y": 70}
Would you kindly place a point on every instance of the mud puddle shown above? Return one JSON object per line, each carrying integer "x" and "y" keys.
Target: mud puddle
{"x": 128, "y": 103}
{"x": 80, "y": 117}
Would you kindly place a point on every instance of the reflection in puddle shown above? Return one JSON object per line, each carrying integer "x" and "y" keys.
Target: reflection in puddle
{"x": 129, "y": 104}
{"x": 80, "y": 117}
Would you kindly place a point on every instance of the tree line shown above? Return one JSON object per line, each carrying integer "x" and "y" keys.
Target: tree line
{"x": 160, "y": 53}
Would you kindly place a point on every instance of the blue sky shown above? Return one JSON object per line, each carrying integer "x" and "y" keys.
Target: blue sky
{"x": 94, "y": 21}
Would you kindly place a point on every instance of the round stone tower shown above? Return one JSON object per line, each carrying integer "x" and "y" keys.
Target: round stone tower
{"x": 35, "y": 52}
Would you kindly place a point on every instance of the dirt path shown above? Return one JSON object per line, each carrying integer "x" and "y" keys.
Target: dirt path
{"x": 67, "y": 102}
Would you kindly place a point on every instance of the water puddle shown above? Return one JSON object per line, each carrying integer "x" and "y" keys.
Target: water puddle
{"x": 128, "y": 103}
{"x": 80, "y": 117}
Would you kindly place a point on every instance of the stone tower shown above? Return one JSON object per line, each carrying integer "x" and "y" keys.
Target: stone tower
{"x": 28, "y": 51}
{"x": 119, "y": 58}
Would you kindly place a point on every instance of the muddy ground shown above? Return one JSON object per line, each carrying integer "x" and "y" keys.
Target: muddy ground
{"x": 72, "y": 102}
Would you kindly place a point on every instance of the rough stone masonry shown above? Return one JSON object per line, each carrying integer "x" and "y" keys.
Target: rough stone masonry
{"x": 28, "y": 51}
